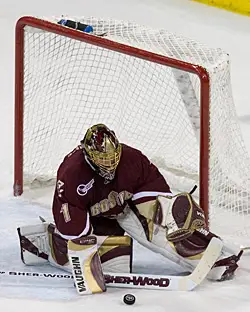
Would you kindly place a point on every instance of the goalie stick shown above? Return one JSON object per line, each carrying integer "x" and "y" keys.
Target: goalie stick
{"x": 188, "y": 282}
{"x": 126, "y": 280}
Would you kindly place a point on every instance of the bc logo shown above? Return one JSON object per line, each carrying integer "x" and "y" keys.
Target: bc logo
{"x": 82, "y": 189}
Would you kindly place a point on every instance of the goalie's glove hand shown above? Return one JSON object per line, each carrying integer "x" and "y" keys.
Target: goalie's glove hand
{"x": 180, "y": 215}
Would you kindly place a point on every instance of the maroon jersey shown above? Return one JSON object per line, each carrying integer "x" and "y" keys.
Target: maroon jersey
{"x": 81, "y": 192}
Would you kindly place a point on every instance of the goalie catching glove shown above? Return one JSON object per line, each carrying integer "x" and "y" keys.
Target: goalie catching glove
{"x": 187, "y": 232}
{"x": 181, "y": 216}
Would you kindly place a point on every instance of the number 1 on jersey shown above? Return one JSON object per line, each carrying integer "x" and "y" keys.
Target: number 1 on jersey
{"x": 65, "y": 211}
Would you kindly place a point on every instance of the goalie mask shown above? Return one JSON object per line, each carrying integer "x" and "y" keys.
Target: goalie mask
{"x": 103, "y": 150}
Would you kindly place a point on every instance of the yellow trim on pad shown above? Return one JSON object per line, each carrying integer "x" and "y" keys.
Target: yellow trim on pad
{"x": 237, "y": 6}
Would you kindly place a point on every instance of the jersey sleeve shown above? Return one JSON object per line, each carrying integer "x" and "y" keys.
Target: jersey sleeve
{"x": 150, "y": 183}
{"x": 70, "y": 215}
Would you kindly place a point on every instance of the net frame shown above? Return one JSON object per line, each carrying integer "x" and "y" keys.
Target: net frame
{"x": 105, "y": 43}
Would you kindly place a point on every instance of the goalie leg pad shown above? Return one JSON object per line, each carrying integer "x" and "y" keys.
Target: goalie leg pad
{"x": 116, "y": 253}
{"x": 86, "y": 265}
{"x": 58, "y": 255}
{"x": 186, "y": 252}
{"x": 150, "y": 235}
{"x": 34, "y": 244}
{"x": 41, "y": 244}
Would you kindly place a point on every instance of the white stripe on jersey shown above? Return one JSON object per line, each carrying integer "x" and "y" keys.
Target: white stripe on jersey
{"x": 150, "y": 194}
{"x": 84, "y": 232}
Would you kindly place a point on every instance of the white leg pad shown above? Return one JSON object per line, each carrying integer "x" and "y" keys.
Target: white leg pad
{"x": 116, "y": 253}
{"x": 34, "y": 244}
{"x": 159, "y": 244}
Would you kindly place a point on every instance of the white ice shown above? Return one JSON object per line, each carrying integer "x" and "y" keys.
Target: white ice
{"x": 215, "y": 28}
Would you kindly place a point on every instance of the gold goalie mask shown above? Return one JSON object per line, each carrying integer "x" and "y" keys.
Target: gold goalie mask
{"x": 103, "y": 150}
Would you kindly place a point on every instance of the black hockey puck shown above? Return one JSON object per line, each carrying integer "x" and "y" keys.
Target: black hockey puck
{"x": 129, "y": 299}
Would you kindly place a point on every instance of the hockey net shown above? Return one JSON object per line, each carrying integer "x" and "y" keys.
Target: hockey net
{"x": 166, "y": 95}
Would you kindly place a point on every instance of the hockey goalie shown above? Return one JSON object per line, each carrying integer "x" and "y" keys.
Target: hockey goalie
{"x": 108, "y": 193}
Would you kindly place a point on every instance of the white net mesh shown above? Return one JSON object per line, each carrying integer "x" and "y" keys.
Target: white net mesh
{"x": 70, "y": 85}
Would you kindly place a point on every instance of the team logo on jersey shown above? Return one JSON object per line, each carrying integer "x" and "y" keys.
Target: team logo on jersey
{"x": 114, "y": 199}
{"x": 82, "y": 189}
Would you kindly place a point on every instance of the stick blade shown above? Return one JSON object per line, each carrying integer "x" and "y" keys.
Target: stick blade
{"x": 206, "y": 263}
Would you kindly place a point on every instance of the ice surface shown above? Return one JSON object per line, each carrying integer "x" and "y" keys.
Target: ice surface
{"x": 209, "y": 25}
